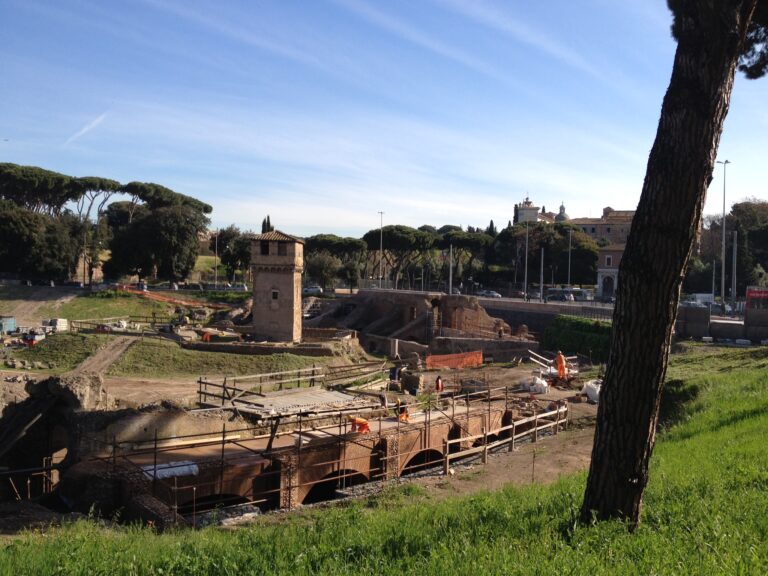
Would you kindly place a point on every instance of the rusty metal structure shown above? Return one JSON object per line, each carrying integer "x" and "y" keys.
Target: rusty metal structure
{"x": 314, "y": 455}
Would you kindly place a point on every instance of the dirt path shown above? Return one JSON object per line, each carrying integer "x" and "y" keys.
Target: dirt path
{"x": 138, "y": 391}
{"x": 105, "y": 357}
{"x": 541, "y": 463}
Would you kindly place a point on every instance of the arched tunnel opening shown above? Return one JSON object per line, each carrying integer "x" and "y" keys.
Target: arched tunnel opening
{"x": 328, "y": 488}
{"x": 422, "y": 460}
{"x": 454, "y": 434}
{"x": 506, "y": 420}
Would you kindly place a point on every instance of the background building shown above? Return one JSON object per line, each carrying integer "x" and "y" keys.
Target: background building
{"x": 611, "y": 228}
{"x": 608, "y": 261}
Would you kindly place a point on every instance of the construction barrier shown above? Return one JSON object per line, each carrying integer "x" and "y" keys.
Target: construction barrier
{"x": 465, "y": 360}
{"x": 173, "y": 300}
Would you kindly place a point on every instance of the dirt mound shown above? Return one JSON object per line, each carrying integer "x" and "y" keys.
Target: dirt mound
{"x": 82, "y": 391}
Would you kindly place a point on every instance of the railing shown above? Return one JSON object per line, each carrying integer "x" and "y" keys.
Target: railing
{"x": 246, "y": 465}
{"x": 486, "y": 446}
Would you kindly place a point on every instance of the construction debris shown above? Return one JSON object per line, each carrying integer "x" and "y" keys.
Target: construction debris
{"x": 591, "y": 390}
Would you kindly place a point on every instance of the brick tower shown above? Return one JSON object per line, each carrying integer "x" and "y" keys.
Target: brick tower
{"x": 277, "y": 261}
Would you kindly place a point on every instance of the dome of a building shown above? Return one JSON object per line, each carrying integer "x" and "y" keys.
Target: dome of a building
{"x": 562, "y": 216}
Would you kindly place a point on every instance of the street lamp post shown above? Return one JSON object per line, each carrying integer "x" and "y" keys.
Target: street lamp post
{"x": 381, "y": 247}
{"x": 541, "y": 276}
{"x": 215, "y": 261}
{"x": 722, "y": 253}
{"x": 570, "y": 231}
{"x": 525, "y": 276}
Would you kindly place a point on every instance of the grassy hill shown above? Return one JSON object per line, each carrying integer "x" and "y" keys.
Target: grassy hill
{"x": 706, "y": 512}
{"x": 153, "y": 358}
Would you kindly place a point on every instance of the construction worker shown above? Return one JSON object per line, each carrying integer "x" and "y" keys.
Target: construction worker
{"x": 562, "y": 369}
{"x": 402, "y": 411}
{"x": 359, "y": 424}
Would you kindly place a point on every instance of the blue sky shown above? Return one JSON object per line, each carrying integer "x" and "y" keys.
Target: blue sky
{"x": 321, "y": 113}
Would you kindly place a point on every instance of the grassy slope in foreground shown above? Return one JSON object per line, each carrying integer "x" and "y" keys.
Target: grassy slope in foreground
{"x": 706, "y": 512}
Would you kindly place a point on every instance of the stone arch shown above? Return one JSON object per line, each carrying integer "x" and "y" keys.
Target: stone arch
{"x": 422, "y": 459}
{"x": 325, "y": 489}
{"x": 266, "y": 486}
{"x": 506, "y": 420}
{"x": 454, "y": 434}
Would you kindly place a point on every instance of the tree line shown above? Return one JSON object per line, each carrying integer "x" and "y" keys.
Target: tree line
{"x": 51, "y": 223}
{"x": 749, "y": 219}
{"x": 412, "y": 256}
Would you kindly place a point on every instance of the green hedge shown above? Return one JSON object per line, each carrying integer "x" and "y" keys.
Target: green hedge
{"x": 575, "y": 335}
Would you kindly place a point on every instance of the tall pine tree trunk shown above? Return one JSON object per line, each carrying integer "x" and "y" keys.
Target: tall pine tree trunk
{"x": 710, "y": 35}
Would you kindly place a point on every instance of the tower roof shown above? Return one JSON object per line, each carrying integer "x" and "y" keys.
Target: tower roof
{"x": 276, "y": 236}
{"x": 562, "y": 216}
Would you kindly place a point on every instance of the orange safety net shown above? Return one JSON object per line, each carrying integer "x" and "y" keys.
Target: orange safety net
{"x": 465, "y": 360}
{"x": 170, "y": 300}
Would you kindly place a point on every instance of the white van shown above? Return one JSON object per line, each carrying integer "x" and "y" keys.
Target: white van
{"x": 57, "y": 324}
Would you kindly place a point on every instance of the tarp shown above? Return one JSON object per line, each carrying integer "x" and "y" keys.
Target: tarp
{"x": 465, "y": 360}
{"x": 592, "y": 390}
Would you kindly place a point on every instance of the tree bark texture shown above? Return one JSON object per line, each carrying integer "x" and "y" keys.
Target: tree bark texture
{"x": 710, "y": 34}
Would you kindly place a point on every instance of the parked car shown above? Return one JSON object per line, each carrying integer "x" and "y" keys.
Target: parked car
{"x": 557, "y": 298}
{"x": 517, "y": 294}
{"x": 487, "y": 294}
{"x": 312, "y": 291}
{"x": 717, "y": 308}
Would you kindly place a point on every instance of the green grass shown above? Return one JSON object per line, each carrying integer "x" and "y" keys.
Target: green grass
{"x": 574, "y": 335}
{"x": 105, "y": 304}
{"x": 705, "y": 512}
{"x": 66, "y": 350}
{"x": 10, "y": 296}
{"x": 153, "y": 358}
{"x": 205, "y": 264}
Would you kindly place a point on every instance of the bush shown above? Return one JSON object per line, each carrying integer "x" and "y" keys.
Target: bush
{"x": 579, "y": 336}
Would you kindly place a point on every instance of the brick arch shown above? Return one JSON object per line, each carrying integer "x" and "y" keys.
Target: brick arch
{"x": 326, "y": 487}
{"x": 420, "y": 460}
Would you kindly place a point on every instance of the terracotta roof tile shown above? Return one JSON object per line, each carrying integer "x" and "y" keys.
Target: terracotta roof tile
{"x": 276, "y": 236}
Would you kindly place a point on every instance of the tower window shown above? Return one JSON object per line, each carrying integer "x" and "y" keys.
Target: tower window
{"x": 264, "y": 248}
{"x": 609, "y": 260}
{"x": 275, "y": 294}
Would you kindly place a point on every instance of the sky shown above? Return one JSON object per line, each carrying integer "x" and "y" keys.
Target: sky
{"x": 324, "y": 113}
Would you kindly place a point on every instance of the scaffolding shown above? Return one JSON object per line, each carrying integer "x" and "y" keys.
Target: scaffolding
{"x": 320, "y": 454}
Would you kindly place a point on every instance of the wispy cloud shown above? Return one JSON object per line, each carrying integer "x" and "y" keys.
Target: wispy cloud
{"x": 499, "y": 20}
{"x": 309, "y": 173}
{"x": 238, "y": 33}
{"x": 419, "y": 38}
{"x": 87, "y": 128}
